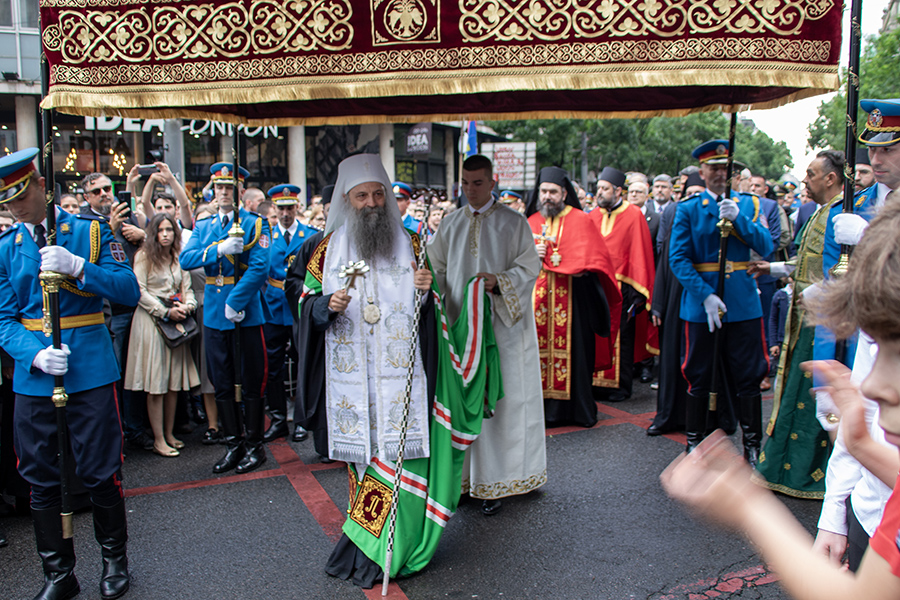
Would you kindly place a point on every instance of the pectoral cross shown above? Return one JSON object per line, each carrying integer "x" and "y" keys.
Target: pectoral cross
{"x": 351, "y": 271}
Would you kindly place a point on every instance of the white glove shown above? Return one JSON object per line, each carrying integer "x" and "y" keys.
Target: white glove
{"x": 848, "y": 228}
{"x": 60, "y": 260}
{"x": 712, "y": 305}
{"x": 233, "y": 245}
{"x": 728, "y": 209}
{"x": 52, "y": 361}
{"x": 232, "y": 315}
{"x": 827, "y": 411}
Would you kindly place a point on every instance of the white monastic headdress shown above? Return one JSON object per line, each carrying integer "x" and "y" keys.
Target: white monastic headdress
{"x": 361, "y": 168}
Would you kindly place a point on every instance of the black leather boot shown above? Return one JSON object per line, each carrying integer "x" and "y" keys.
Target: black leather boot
{"x": 234, "y": 439}
{"x": 57, "y": 556}
{"x": 256, "y": 451}
{"x": 695, "y": 420}
{"x": 751, "y": 427}
{"x": 111, "y": 532}
{"x": 278, "y": 428}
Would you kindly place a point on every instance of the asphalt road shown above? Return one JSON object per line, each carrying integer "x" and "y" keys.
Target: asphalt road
{"x": 600, "y": 528}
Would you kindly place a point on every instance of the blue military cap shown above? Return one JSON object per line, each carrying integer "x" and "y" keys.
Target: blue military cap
{"x": 221, "y": 173}
{"x": 285, "y": 194}
{"x": 509, "y": 196}
{"x": 16, "y": 171}
{"x": 401, "y": 189}
{"x": 883, "y": 124}
{"x": 713, "y": 152}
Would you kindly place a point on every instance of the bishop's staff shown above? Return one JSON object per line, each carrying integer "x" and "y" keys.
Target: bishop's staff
{"x": 50, "y": 282}
{"x": 725, "y": 227}
{"x": 849, "y": 146}
{"x": 404, "y": 423}
{"x": 236, "y": 232}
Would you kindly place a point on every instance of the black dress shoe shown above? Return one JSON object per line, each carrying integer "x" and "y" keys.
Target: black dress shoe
{"x": 654, "y": 430}
{"x": 299, "y": 434}
{"x": 325, "y": 460}
{"x": 3, "y": 541}
{"x": 234, "y": 452}
{"x": 646, "y": 375}
{"x": 278, "y": 429}
{"x": 491, "y": 507}
{"x": 211, "y": 437}
{"x": 253, "y": 459}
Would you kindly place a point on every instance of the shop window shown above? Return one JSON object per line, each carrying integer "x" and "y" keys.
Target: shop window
{"x": 28, "y": 14}
{"x": 6, "y": 18}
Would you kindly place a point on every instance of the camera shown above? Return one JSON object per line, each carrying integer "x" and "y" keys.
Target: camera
{"x": 147, "y": 170}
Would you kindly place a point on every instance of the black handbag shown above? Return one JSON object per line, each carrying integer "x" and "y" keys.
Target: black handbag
{"x": 176, "y": 333}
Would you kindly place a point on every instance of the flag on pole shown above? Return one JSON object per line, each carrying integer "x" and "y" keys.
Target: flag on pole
{"x": 468, "y": 139}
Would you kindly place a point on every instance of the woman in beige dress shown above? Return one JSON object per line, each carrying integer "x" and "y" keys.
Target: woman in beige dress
{"x": 153, "y": 367}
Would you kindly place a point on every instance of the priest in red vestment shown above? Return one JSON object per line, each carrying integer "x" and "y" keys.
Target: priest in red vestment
{"x": 627, "y": 237}
{"x": 575, "y": 294}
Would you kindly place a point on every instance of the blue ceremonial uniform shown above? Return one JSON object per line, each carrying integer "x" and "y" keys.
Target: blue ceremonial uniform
{"x": 82, "y": 246}
{"x": 743, "y": 358}
{"x": 200, "y": 251}
{"x": 281, "y": 256}
{"x": 93, "y": 417}
{"x": 219, "y": 333}
{"x": 695, "y": 241}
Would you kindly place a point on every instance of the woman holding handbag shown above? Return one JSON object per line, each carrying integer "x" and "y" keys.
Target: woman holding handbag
{"x": 160, "y": 361}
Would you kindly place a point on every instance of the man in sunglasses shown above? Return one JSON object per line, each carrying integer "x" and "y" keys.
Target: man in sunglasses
{"x": 102, "y": 203}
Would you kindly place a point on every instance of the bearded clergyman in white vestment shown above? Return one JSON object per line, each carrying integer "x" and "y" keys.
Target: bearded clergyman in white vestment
{"x": 360, "y": 293}
{"x": 487, "y": 238}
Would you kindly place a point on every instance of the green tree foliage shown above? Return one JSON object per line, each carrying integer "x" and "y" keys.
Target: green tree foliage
{"x": 879, "y": 77}
{"x": 651, "y": 146}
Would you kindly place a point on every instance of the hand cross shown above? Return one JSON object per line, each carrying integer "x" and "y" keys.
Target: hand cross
{"x": 544, "y": 238}
{"x": 351, "y": 271}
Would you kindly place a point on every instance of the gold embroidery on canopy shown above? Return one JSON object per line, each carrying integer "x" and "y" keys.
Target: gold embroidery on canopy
{"x": 185, "y": 31}
{"x": 590, "y": 58}
{"x": 405, "y": 21}
{"x": 549, "y": 20}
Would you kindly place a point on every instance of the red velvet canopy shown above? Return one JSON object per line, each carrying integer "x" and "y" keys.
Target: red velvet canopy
{"x": 356, "y": 61}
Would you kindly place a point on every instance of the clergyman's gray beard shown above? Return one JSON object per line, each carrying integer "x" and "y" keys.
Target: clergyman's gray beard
{"x": 372, "y": 232}
{"x": 550, "y": 210}
{"x": 104, "y": 209}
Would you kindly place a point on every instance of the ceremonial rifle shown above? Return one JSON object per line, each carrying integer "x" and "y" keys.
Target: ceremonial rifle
{"x": 236, "y": 232}
{"x": 840, "y": 269}
{"x": 404, "y": 423}
{"x": 50, "y": 282}
{"x": 725, "y": 227}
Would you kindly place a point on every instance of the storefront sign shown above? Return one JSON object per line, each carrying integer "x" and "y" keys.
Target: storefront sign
{"x": 514, "y": 163}
{"x": 113, "y": 123}
{"x": 195, "y": 127}
{"x": 418, "y": 140}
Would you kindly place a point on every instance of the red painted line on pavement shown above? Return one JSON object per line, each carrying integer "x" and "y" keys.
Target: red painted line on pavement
{"x": 394, "y": 592}
{"x": 728, "y": 583}
{"x": 190, "y": 485}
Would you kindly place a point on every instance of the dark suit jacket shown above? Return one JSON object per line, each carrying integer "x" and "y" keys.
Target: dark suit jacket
{"x": 652, "y": 217}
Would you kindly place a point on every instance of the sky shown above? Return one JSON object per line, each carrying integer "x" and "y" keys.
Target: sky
{"x": 789, "y": 123}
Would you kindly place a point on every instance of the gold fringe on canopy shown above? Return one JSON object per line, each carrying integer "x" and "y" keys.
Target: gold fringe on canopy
{"x": 202, "y": 101}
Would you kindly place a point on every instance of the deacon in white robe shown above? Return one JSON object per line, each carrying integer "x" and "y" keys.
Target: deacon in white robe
{"x": 488, "y": 238}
